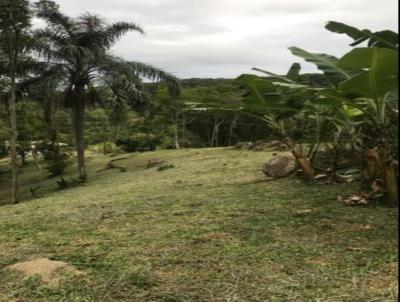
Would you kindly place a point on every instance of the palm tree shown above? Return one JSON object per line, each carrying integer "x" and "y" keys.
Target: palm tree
{"x": 14, "y": 45}
{"x": 79, "y": 47}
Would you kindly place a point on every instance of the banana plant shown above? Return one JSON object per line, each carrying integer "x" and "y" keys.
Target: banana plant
{"x": 330, "y": 119}
{"x": 274, "y": 100}
{"x": 375, "y": 91}
{"x": 365, "y": 79}
{"x": 383, "y": 38}
{"x": 279, "y": 99}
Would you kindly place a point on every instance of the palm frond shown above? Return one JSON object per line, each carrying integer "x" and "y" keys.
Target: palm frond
{"x": 50, "y": 36}
{"x": 43, "y": 85}
{"x": 116, "y": 30}
{"x": 155, "y": 74}
{"x": 49, "y": 11}
{"x": 90, "y": 22}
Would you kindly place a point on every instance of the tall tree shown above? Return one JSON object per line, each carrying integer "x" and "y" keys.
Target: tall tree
{"x": 14, "y": 38}
{"x": 80, "y": 48}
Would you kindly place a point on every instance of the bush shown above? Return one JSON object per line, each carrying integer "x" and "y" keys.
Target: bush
{"x": 105, "y": 148}
{"x": 138, "y": 142}
{"x": 57, "y": 165}
{"x": 165, "y": 167}
{"x": 67, "y": 183}
{"x": 3, "y": 150}
{"x": 4, "y": 173}
{"x": 167, "y": 142}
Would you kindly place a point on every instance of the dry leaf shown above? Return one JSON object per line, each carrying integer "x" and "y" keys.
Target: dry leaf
{"x": 352, "y": 200}
{"x": 377, "y": 185}
{"x": 304, "y": 211}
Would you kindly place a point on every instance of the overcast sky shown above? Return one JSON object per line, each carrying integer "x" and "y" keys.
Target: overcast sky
{"x": 225, "y": 38}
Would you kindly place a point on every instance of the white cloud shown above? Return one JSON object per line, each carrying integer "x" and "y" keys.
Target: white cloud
{"x": 224, "y": 38}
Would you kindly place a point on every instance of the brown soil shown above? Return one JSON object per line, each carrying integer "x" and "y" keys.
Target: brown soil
{"x": 45, "y": 268}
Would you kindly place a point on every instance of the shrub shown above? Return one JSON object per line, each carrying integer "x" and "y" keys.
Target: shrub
{"x": 165, "y": 167}
{"x": 67, "y": 183}
{"x": 4, "y": 173}
{"x": 57, "y": 165}
{"x": 105, "y": 148}
{"x": 3, "y": 150}
{"x": 167, "y": 142}
{"x": 138, "y": 142}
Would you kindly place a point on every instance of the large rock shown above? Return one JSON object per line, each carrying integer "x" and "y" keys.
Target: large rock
{"x": 280, "y": 166}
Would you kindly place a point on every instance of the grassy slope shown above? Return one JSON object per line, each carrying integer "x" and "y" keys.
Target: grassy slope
{"x": 209, "y": 229}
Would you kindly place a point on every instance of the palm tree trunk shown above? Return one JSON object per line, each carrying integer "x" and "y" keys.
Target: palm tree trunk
{"x": 13, "y": 142}
{"x": 79, "y": 127}
{"x": 49, "y": 112}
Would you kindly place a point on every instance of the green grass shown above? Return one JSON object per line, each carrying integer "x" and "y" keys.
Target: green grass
{"x": 210, "y": 228}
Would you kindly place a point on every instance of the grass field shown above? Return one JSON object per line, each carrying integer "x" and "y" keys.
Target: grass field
{"x": 209, "y": 229}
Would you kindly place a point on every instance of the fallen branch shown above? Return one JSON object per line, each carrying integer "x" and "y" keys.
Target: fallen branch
{"x": 117, "y": 159}
{"x": 110, "y": 165}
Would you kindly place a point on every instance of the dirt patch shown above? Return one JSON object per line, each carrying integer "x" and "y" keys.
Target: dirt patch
{"x": 48, "y": 270}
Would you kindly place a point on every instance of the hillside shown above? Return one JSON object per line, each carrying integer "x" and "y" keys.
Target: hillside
{"x": 210, "y": 228}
